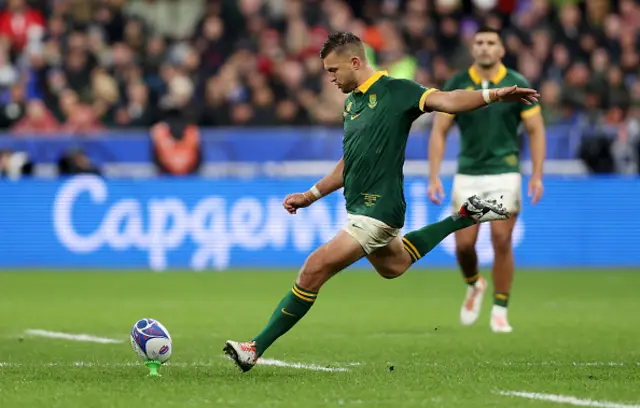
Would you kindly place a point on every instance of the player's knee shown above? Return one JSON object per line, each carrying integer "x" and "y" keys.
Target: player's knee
{"x": 501, "y": 241}
{"x": 390, "y": 272}
{"x": 315, "y": 272}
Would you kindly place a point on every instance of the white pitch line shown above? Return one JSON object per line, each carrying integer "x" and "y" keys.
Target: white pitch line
{"x": 574, "y": 364}
{"x": 334, "y": 367}
{"x": 566, "y": 399}
{"x": 313, "y": 367}
{"x": 97, "y": 364}
{"x": 539, "y": 364}
{"x": 266, "y": 362}
{"x": 340, "y": 366}
{"x": 69, "y": 336}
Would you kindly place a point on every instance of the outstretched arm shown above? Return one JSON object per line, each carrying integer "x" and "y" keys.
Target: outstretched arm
{"x": 462, "y": 100}
{"x": 327, "y": 185}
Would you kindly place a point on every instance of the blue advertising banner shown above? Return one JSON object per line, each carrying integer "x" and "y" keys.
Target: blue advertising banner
{"x": 88, "y": 222}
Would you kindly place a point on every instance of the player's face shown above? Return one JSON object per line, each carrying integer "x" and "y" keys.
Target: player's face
{"x": 487, "y": 49}
{"x": 342, "y": 70}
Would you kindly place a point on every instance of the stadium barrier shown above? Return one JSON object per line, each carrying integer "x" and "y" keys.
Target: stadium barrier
{"x": 263, "y": 152}
{"x": 87, "y": 222}
{"x": 252, "y": 145}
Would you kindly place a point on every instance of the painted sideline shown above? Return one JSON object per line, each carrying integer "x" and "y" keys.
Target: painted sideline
{"x": 312, "y": 367}
{"x": 106, "y": 340}
{"x": 541, "y": 364}
{"x": 266, "y": 362}
{"x": 566, "y": 399}
{"x": 69, "y": 336}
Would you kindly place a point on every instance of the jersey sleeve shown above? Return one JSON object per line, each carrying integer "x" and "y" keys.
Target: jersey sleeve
{"x": 527, "y": 110}
{"x": 410, "y": 95}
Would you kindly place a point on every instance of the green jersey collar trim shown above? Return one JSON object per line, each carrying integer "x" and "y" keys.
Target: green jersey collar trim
{"x": 475, "y": 77}
{"x": 372, "y": 80}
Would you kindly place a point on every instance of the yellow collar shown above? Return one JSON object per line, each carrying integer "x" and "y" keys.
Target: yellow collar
{"x": 372, "y": 80}
{"x": 475, "y": 77}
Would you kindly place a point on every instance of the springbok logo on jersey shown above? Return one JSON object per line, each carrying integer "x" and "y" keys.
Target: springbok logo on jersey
{"x": 373, "y": 101}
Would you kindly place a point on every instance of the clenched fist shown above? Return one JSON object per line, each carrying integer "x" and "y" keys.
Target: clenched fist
{"x": 297, "y": 200}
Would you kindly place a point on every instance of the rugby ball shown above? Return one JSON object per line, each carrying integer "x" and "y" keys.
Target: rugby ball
{"x": 151, "y": 340}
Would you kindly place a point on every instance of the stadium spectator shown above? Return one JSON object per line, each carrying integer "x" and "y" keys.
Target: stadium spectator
{"x": 176, "y": 138}
{"x": 20, "y": 25}
{"x": 38, "y": 120}
{"x": 136, "y": 111}
{"x": 14, "y": 165}
{"x": 75, "y": 161}
{"x": 78, "y": 117}
{"x": 12, "y": 104}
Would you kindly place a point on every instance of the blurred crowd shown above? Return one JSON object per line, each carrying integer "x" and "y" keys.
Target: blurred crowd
{"x": 87, "y": 65}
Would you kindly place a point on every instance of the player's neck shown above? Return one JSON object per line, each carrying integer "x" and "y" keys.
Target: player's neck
{"x": 487, "y": 74}
{"x": 364, "y": 74}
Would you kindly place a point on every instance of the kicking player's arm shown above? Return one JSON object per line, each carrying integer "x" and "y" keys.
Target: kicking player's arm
{"x": 459, "y": 100}
{"x": 534, "y": 124}
{"x": 327, "y": 185}
{"x": 442, "y": 123}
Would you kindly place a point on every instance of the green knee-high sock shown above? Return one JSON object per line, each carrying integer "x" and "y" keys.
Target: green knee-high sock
{"x": 290, "y": 310}
{"x": 417, "y": 243}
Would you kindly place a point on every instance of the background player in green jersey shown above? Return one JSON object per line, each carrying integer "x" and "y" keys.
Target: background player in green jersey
{"x": 488, "y": 164}
{"x": 377, "y": 118}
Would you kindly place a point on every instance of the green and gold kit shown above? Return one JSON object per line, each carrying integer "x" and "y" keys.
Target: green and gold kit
{"x": 489, "y": 135}
{"x": 378, "y": 116}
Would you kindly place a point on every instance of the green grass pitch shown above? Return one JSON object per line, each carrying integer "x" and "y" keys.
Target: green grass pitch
{"x": 387, "y": 343}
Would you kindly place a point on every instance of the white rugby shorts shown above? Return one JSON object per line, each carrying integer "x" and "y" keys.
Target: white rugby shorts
{"x": 370, "y": 233}
{"x": 507, "y": 185}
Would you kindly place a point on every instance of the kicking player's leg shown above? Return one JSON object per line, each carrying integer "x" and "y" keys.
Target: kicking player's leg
{"x": 392, "y": 260}
{"x": 395, "y": 258}
{"x": 319, "y": 267}
{"x": 503, "y": 269}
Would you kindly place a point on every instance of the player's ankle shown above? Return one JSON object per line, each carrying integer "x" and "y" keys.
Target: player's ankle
{"x": 501, "y": 299}
{"x": 472, "y": 280}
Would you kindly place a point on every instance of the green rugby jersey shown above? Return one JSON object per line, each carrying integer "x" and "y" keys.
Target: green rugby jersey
{"x": 489, "y": 135}
{"x": 377, "y": 118}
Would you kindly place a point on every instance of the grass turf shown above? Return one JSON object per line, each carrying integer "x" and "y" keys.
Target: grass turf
{"x": 576, "y": 333}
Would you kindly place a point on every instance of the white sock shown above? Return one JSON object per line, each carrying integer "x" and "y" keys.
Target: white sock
{"x": 499, "y": 311}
